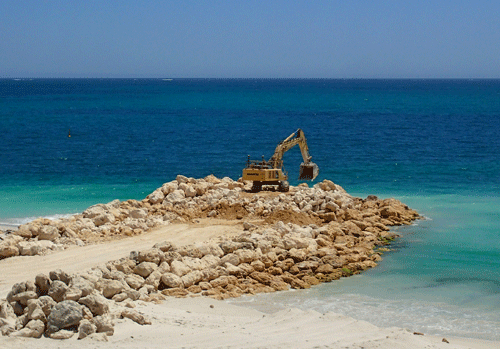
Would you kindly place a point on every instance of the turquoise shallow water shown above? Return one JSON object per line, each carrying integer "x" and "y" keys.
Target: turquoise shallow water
{"x": 442, "y": 276}
{"x": 434, "y": 144}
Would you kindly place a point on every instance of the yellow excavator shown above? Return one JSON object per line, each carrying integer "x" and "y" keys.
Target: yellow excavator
{"x": 270, "y": 173}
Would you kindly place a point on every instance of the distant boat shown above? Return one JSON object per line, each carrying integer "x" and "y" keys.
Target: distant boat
{"x": 69, "y": 133}
{"x": 167, "y": 79}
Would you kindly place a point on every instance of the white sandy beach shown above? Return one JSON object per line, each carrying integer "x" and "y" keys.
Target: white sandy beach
{"x": 206, "y": 323}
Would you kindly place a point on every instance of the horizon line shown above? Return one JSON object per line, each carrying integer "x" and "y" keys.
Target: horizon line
{"x": 236, "y": 78}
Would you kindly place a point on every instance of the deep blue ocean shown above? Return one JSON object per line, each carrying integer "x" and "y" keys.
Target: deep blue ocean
{"x": 434, "y": 144}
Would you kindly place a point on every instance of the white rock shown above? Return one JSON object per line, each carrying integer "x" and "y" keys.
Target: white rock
{"x": 245, "y": 256}
{"x": 190, "y": 191}
{"x": 134, "y": 281}
{"x": 33, "y": 329}
{"x": 176, "y": 196}
{"x": 169, "y": 187}
{"x": 171, "y": 280}
{"x": 179, "y": 268}
{"x": 139, "y": 213}
{"x": 48, "y": 232}
{"x": 181, "y": 179}
{"x": 157, "y": 196}
{"x": 192, "y": 278}
{"x": 33, "y": 248}
{"x": 230, "y": 258}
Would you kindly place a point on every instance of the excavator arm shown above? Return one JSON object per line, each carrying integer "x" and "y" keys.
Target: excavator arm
{"x": 308, "y": 169}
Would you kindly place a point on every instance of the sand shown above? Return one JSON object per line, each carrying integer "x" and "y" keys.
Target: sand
{"x": 203, "y": 322}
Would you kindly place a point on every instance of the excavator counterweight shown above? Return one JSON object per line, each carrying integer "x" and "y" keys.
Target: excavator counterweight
{"x": 271, "y": 172}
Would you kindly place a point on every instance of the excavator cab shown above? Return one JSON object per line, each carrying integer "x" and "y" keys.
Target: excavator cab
{"x": 308, "y": 172}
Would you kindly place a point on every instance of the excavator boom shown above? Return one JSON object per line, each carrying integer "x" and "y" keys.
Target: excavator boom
{"x": 308, "y": 169}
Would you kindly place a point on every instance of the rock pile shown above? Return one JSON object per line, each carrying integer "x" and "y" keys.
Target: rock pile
{"x": 262, "y": 259}
{"x": 59, "y": 306}
{"x": 188, "y": 198}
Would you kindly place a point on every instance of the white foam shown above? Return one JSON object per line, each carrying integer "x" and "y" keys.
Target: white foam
{"x": 426, "y": 317}
{"x": 15, "y": 222}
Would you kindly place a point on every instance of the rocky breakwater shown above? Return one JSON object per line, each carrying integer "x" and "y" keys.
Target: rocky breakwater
{"x": 185, "y": 199}
{"x": 263, "y": 258}
{"x": 101, "y": 222}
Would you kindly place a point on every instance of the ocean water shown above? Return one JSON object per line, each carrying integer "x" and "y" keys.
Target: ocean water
{"x": 434, "y": 144}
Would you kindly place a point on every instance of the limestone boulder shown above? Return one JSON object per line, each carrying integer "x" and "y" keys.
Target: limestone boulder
{"x": 171, "y": 280}
{"x": 73, "y": 294}
{"x": 190, "y": 191}
{"x": 6, "y": 311}
{"x": 24, "y": 231}
{"x": 294, "y": 241}
{"x": 139, "y": 213}
{"x": 179, "y": 268}
{"x": 84, "y": 285}
{"x": 221, "y": 281}
{"x": 94, "y": 211}
{"x": 191, "y": 278}
{"x": 233, "y": 270}
{"x": 229, "y": 246}
{"x": 97, "y": 304}
{"x": 104, "y": 324}
{"x": 33, "y": 248}
{"x": 8, "y": 249}
{"x": 110, "y": 287}
{"x": 156, "y": 197}
{"x": 388, "y": 212}
{"x": 63, "y": 315}
{"x": 104, "y": 218}
{"x": 210, "y": 249}
{"x": 245, "y": 256}
{"x": 57, "y": 290}
{"x": 169, "y": 187}
{"x": 164, "y": 246}
{"x": 230, "y": 258}
{"x": 175, "y": 197}
{"x": 86, "y": 328}
{"x": 194, "y": 263}
{"x": 263, "y": 278}
{"x": 35, "y": 311}
{"x": 60, "y": 275}
{"x": 7, "y": 326}
{"x": 135, "y": 316}
{"x": 48, "y": 232}
{"x": 210, "y": 261}
{"x": 62, "y": 334}
{"x": 153, "y": 255}
{"x": 182, "y": 179}
{"x": 144, "y": 269}
{"x": 16, "y": 289}
{"x": 46, "y": 303}
{"x": 135, "y": 281}
{"x": 24, "y": 297}
{"x": 33, "y": 329}
{"x": 154, "y": 278}
{"x": 258, "y": 265}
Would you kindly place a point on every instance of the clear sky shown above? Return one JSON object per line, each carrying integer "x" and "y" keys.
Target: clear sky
{"x": 246, "y": 38}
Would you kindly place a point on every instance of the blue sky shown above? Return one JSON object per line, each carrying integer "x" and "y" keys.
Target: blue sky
{"x": 240, "y": 39}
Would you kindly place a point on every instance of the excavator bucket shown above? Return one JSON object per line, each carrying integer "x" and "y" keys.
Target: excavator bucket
{"x": 308, "y": 171}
